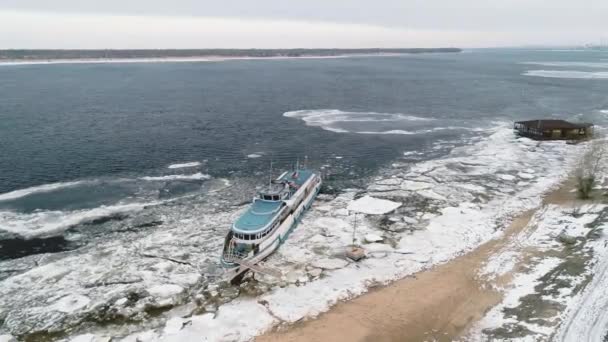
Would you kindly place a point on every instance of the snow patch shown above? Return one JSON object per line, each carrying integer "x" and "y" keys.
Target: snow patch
{"x": 329, "y": 264}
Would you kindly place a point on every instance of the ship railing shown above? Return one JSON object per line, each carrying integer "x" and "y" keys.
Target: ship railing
{"x": 233, "y": 255}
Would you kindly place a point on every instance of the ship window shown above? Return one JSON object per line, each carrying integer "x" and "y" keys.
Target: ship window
{"x": 275, "y": 197}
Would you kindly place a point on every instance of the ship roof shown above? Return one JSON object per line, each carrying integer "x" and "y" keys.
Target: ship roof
{"x": 258, "y": 215}
{"x": 261, "y": 212}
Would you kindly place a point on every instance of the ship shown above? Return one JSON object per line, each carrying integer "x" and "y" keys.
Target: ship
{"x": 266, "y": 224}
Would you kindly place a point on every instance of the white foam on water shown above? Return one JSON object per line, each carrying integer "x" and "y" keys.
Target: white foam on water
{"x": 184, "y": 165}
{"x": 196, "y": 176}
{"x": 49, "y": 223}
{"x": 255, "y": 155}
{"x": 567, "y": 74}
{"x": 38, "y": 189}
{"x": 328, "y": 118}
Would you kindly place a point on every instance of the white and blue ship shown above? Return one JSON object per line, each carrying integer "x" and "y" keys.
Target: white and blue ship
{"x": 267, "y": 223}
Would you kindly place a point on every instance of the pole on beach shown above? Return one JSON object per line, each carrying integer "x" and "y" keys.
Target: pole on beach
{"x": 355, "y": 229}
{"x": 355, "y": 252}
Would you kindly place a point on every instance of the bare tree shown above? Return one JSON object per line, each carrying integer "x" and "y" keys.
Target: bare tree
{"x": 587, "y": 172}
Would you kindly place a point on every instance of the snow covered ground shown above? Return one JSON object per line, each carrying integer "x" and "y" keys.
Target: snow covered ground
{"x": 551, "y": 261}
{"x": 162, "y": 285}
{"x": 587, "y": 318}
{"x": 553, "y": 275}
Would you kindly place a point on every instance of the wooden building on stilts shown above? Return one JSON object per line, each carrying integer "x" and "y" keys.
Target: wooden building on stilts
{"x": 553, "y": 130}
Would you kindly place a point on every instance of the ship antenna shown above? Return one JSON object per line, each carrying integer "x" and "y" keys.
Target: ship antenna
{"x": 270, "y": 174}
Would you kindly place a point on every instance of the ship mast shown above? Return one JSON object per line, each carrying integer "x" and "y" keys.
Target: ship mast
{"x": 270, "y": 175}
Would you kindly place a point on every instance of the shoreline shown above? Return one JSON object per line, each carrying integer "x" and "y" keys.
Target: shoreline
{"x": 441, "y": 303}
{"x": 196, "y": 59}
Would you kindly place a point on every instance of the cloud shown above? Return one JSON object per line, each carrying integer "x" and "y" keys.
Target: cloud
{"x": 476, "y": 15}
{"x": 61, "y": 29}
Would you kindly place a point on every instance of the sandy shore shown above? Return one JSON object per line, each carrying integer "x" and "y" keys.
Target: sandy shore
{"x": 10, "y": 62}
{"x": 439, "y": 304}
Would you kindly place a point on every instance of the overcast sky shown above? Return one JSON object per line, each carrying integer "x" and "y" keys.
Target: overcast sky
{"x": 292, "y": 23}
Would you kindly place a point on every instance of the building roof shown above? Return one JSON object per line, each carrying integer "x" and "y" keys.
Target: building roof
{"x": 553, "y": 124}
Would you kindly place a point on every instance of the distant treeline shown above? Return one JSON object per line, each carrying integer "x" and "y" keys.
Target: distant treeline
{"x": 95, "y": 54}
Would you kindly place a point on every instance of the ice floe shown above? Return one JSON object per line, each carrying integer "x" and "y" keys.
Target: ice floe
{"x": 373, "y": 206}
{"x": 196, "y": 176}
{"x": 568, "y": 74}
{"x": 601, "y": 65}
{"x": 38, "y": 189}
{"x": 332, "y": 119}
{"x": 184, "y": 165}
{"x": 49, "y": 223}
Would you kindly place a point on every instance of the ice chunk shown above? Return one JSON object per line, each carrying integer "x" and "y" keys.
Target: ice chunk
{"x": 71, "y": 303}
{"x": 414, "y": 186}
{"x": 506, "y": 177}
{"x": 525, "y": 175}
{"x": 165, "y": 290}
{"x": 196, "y": 176}
{"x": 373, "y": 206}
{"x": 184, "y": 165}
{"x": 373, "y": 238}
